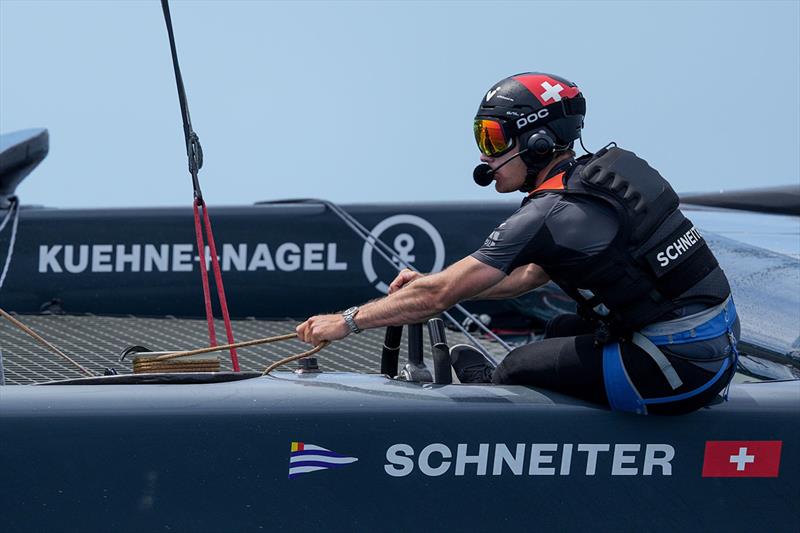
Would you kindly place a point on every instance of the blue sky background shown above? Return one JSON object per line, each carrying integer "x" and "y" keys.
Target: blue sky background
{"x": 373, "y": 101}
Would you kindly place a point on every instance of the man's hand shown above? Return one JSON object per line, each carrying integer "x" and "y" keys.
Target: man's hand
{"x": 322, "y": 328}
{"x": 405, "y": 277}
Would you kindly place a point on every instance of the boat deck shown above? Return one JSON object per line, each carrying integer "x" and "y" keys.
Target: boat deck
{"x": 97, "y": 341}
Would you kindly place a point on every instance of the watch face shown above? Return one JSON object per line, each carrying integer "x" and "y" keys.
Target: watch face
{"x": 350, "y": 321}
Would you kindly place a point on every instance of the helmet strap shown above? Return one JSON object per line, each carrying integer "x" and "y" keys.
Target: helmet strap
{"x": 533, "y": 172}
{"x": 535, "y": 163}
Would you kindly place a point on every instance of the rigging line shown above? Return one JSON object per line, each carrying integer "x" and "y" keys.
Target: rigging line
{"x": 14, "y": 202}
{"x": 365, "y": 235}
{"x": 201, "y": 247}
{"x": 12, "y": 240}
{"x": 43, "y": 342}
{"x": 223, "y": 302}
{"x": 194, "y": 153}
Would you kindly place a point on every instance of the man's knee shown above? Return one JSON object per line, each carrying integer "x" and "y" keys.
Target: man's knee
{"x": 502, "y": 375}
{"x": 525, "y": 365}
{"x": 566, "y": 325}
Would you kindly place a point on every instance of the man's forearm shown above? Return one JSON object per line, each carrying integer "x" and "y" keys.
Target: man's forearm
{"x": 414, "y": 303}
{"x": 409, "y": 303}
{"x": 429, "y": 295}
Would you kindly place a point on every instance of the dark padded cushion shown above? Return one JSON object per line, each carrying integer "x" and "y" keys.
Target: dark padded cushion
{"x": 648, "y": 196}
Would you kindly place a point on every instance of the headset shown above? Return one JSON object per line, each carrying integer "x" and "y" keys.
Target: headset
{"x": 540, "y": 143}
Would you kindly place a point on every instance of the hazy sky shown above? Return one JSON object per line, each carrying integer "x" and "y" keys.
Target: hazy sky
{"x": 373, "y": 101}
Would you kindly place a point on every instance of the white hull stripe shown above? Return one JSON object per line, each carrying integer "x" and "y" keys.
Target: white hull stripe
{"x": 322, "y": 459}
{"x": 305, "y": 469}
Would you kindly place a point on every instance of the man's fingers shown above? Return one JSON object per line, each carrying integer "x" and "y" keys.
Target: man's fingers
{"x": 396, "y": 284}
{"x": 313, "y": 337}
{"x": 302, "y": 331}
{"x": 402, "y": 279}
{"x": 313, "y": 334}
{"x": 321, "y": 328}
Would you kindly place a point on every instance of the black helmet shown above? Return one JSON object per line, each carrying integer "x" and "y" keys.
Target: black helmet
{"x": 529, "y": 102}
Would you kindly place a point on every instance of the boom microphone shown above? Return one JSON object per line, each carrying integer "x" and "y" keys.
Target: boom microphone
{"x": 484, "y": 174}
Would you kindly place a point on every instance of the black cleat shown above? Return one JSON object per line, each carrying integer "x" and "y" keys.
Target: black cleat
{"x": 471, "y": 366}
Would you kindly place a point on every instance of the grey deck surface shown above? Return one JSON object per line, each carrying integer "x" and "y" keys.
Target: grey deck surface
{"x": 97, "y": 341}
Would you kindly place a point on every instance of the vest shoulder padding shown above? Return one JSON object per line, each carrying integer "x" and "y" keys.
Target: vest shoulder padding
{"x": 645, "y": 196}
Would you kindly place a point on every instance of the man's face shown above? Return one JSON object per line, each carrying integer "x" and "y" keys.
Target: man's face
{"x": 512, "y": 176}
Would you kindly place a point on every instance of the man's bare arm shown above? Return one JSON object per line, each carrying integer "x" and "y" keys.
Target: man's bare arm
{"x": 430, "y": 295}
{"x": 521, "y": 280}
{"x": 424, "y": 297}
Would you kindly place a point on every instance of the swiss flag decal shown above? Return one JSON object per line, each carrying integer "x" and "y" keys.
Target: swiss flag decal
{"x": 546, "y": 89}
{"x": 742, "y": 458}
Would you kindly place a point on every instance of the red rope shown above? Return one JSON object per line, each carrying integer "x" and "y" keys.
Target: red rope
{"x": 201, "y": 247}
{"x": 198, "y": 228}
{"x": 223, "y": 302}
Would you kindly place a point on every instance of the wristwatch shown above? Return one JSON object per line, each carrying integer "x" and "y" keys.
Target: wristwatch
{"x": 349, "y": 319}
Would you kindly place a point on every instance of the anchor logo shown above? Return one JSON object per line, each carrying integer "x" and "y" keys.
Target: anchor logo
{"x": 406, "y": 245}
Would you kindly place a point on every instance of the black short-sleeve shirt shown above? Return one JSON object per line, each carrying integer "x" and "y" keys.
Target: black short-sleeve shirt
{"x": 550, "y": 229}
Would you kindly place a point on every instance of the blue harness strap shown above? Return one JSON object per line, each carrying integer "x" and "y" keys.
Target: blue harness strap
{"x": 720, "y": 322}
{"x": 622, "y": 395}
{"x": 620, "y": 390}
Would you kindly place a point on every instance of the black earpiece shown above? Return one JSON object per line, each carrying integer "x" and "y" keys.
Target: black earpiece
{"x": 540, "y": 143}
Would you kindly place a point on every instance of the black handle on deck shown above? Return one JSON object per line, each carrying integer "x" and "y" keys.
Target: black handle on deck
{"x": 415, "y": 344}
{"x": 391, "y": 350}
{"x": 441, "y": 353}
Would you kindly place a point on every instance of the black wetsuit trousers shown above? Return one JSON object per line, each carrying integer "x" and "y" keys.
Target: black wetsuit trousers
{"x": 567, "y": 361}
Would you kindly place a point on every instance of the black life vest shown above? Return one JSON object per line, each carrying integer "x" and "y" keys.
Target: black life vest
{"x": 657, "y": 259}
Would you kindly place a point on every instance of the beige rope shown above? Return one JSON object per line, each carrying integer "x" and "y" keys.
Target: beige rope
{"x": 210, "y": 349}
{"x": 43, "y": 342}
{"x": 291, "y": 358}
{"x": 245, "y": 344}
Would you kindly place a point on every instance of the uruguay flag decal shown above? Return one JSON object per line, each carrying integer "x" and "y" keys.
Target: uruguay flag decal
{"x": 306, "y": 458}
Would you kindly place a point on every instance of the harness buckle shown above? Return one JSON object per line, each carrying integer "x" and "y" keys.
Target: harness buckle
{"x": 602, "y": 334}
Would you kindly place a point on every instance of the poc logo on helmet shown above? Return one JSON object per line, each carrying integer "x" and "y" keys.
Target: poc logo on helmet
{"x": 533, "y": 117}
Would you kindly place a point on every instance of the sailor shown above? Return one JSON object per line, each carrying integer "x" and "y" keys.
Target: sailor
{"x": 656, "y": 328}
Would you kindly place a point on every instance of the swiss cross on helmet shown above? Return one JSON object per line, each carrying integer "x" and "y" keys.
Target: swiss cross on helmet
{"x": 529, "y": 102}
